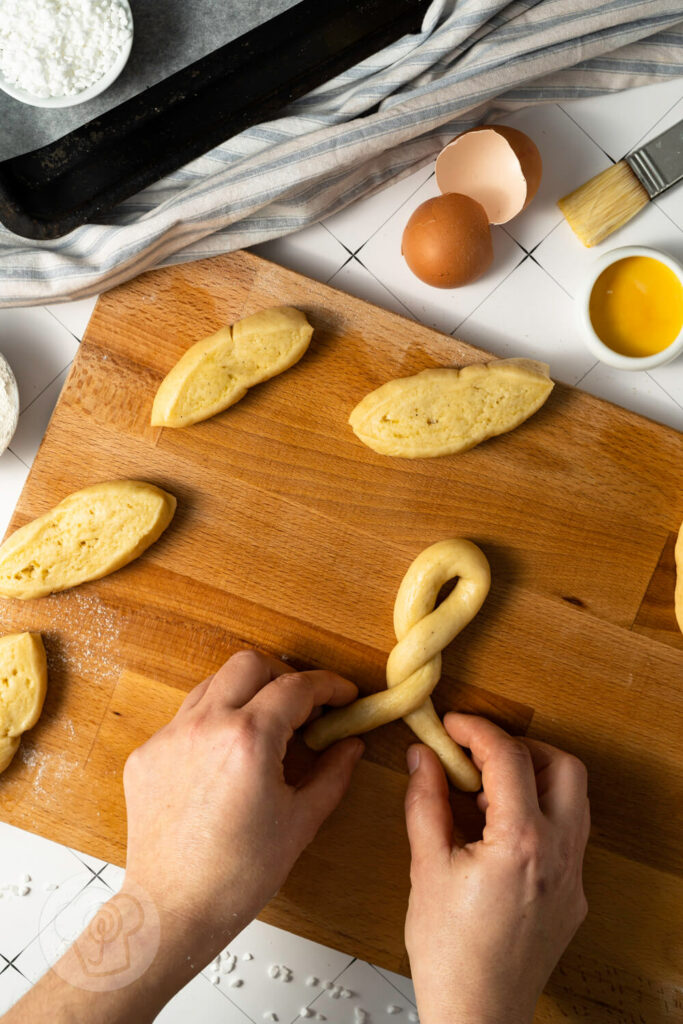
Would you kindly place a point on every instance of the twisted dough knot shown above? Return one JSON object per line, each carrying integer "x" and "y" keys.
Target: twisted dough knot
{"x": 414, "y": 665}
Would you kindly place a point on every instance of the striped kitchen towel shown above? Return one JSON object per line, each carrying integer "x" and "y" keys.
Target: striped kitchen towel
{"x": 379, "y": 120}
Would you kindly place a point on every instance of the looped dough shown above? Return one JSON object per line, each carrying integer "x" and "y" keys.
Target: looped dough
{"x": 414, "y": 665}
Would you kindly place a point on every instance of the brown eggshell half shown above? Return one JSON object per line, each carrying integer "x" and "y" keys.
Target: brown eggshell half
{"x": 447, "y": 241}
{"x": 498, "y": 166}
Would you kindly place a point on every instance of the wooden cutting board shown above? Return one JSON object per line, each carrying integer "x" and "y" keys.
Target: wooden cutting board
{"x": 292, "y": 536}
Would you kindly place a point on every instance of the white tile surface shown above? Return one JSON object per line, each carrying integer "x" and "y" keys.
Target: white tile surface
{"x": 23, "y": 334}
{"x": 74, "y": 315}
{"x": 13, "y": 475}
{"x": 569, "y": 158}
{"x": 260, "y": 993}
{"x": 46, "y": 863}
{"x": 518, "y": 308}
{"x": 354, "y": 225}
{"x": 635, "y": 391}
{"x": 443, "y": 308}
{"x": 530, "y": 315}
{"x": 371, "y": 991}
{"x": 357, "y": 280}
{"x": 34, "y": 420}
{"x": 13, "y": 986}
{"x": 619, "y": 122}
{"x": 202, "y": 1003}
{"x": 313, "y": 252}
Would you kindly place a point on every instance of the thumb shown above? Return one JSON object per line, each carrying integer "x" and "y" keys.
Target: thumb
{"x": 323, "y": 789}
{"x": 428, "y": 813}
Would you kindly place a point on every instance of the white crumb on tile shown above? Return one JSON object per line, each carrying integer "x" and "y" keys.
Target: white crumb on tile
{"x": 247, "y": 956}
{"x": 269, "y": 1015}
{"x": 320, "y": 1016}
{"x": 328, "y": 985}
{"x": 287, "y": 973}
{"x": 23, "y": 890}
{"x": 412, "y": 1016}
{"x": 305, "y": 1011}
{"x": 215, "y": 979}
{"x": 273, "y": 971}
{"x": 50, "y": 887}
{"x": 392, "y": 1008}
{"x": 345, "y": 993}
{"x": 236, "y": 983}
{"x": 25, "y": 879}
{"x": 360, "y": 1014}
{"x": 312, "y": 981}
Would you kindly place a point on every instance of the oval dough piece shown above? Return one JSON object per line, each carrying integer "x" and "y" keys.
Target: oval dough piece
{"x": 446, "y": 410}
{"x": 90, "y": 534}
{"x": 23, "y": 684}
{"x": 216, "y": 372}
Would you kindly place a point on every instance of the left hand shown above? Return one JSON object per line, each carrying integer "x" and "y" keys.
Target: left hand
{"x": 213, "y": 826}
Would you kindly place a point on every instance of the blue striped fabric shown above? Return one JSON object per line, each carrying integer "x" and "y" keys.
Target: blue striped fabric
{"x": 377, "y": 121}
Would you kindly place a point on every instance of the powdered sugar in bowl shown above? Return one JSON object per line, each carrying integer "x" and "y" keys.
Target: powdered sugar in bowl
{"x": 57, "y": 53}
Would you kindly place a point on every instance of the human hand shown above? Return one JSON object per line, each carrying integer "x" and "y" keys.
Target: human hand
{"x": 487, "y": 922}
{"x": 213, "y": 827}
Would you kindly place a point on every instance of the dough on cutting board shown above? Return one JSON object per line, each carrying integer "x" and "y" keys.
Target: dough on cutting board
{"x": 678, "y": 596}
{"x": 218, "y": 371}
{"x": 90, "y": 534}
{"x": 23, "y": 684}
{"x": 445, "y": 410}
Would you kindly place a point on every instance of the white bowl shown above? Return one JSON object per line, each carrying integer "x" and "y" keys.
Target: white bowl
{"x": 8, "y": 425}
{"x": 599, "y": 349}
{"x": 80, "y": 97}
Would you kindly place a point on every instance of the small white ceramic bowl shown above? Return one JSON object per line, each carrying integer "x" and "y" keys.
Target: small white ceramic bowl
{"x": 10, "y": 419}
{"x": 599, "y": 349}
{"x": 80, "y": 97}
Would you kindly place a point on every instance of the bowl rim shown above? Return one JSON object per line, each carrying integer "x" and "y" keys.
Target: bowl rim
{"x": 4, "y": 361}
{"x": 594, "y": 343}
{"x": 90, "y": 93}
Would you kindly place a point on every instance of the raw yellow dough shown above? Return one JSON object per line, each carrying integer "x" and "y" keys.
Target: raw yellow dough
{"x": 414, "y": 666}
{"x": 678, "y": 596}
{"x": 90, "y": 534}
{"x": 216, "y": 372}
{"x": 23, "y": 684}
{"x": 446, "y": 410}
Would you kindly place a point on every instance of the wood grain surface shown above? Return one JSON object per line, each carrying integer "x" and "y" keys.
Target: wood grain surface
{"x": 292, "y": 536}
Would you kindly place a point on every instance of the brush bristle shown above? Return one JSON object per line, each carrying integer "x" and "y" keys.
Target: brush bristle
{"x": 604, "y": 203}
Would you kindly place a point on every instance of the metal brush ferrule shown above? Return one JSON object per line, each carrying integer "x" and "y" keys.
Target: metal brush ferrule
{"x": 659, "y": 163}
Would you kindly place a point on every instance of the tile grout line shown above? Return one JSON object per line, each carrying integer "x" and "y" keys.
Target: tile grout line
{"x": 587, "y": 134}
{"x": 67, "y": 329}
{"x": 662, "y": 388}
{"x": 492, "y": 292}
{"x": 392, "y": 214}
{"x": 384, "y": 978}
{"x": 382, "y": 285}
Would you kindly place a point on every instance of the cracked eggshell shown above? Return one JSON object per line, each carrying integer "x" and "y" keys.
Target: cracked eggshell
{"x": 447, "y": 241}
{"x": 498, "y": 166}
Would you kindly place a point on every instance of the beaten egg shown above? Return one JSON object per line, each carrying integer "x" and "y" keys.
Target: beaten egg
{"x": 636, "y": 306}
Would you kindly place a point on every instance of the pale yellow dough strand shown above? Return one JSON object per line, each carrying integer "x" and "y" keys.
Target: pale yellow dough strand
{"x": 414, "y": 665}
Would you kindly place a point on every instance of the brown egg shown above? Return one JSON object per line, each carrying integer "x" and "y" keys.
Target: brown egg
{"x": 447, "y": 241}
{"x": 498, "y": 166}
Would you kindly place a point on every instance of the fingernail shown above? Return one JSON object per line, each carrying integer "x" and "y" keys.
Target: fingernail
{"x": 413, "y": 759}
{"x": 359, "y": 747}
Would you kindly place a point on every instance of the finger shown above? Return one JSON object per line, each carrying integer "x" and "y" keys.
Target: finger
{"x": 194, "y": 696}
{"x": 506, "y": 768}
{"x": 429, "y": 819}
{"x": 289, "y": 700}
{"x": 242, "y": 676}
{"x": 319, "y": 794}
{"x": 561, "y": 782}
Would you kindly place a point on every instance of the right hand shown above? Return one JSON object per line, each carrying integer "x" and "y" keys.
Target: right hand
{"x": 488, "y": 922}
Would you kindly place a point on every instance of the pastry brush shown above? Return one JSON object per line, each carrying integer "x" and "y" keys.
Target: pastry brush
{"x": 612, "y": 198}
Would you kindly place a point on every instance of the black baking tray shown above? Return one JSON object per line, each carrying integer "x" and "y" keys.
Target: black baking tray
{"x": 52, "y": 190}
